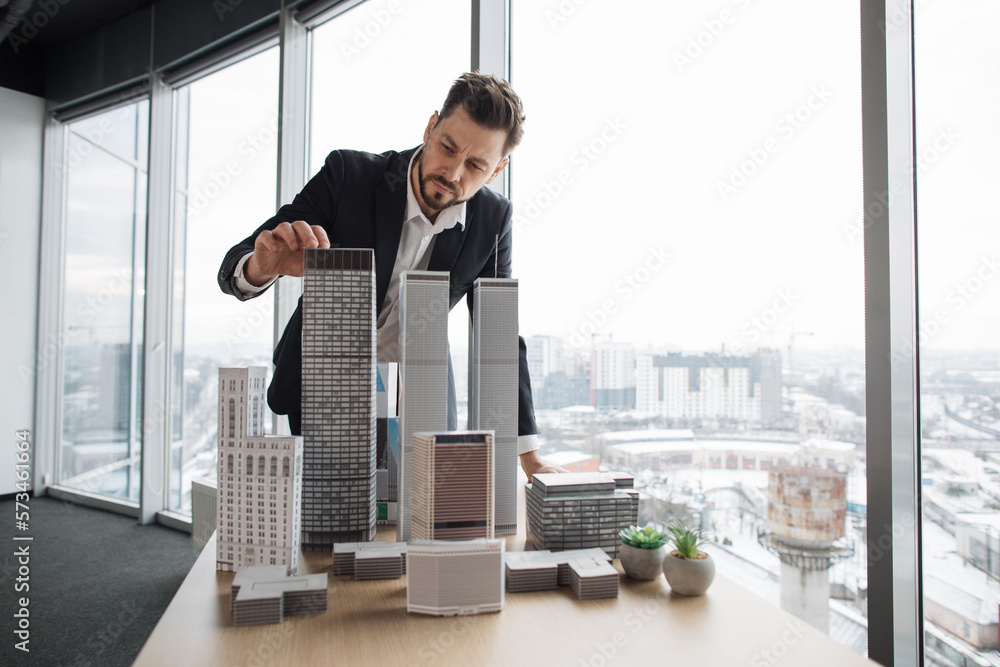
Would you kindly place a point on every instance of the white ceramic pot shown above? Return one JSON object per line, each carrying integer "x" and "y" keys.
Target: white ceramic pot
{"x": 642, "y": 564}
{"x": 689, "y": 577}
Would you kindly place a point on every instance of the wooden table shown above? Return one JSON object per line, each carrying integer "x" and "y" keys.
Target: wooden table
{"x": 367, "y": 624}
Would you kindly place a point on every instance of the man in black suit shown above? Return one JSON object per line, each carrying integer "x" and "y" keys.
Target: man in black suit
{"x": 424, "y": 208}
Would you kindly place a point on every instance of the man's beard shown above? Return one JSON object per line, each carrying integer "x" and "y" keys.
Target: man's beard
{"x": 432, "y": 197}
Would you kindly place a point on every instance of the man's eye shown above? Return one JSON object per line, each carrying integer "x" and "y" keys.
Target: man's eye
{"x": 448, "y": 149}
{"x": 477, "y": 167}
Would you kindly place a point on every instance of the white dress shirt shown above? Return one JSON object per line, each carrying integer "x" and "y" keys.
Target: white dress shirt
{"x": 416, "y": 242}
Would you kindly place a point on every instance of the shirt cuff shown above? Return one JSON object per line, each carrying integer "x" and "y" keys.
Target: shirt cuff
{"x": 240, "y": 282}
{"x": 527, "y": 443}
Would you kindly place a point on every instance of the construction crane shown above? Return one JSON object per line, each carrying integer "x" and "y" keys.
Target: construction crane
{"x": 792, "y": 333}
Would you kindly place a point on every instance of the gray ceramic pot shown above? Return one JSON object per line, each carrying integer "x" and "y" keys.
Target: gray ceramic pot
{"x": 689, "y": 577}
{"x": 642, "y": 564}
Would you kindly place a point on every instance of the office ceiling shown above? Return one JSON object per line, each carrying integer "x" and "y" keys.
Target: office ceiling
{"x": 66, "y": 20}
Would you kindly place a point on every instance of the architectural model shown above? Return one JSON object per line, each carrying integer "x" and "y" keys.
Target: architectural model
{"x": 493, "y": 387}
{"x": 545, "y": 570}
{"x": 423, "y": 372}
{"x": 259, "y": 479}
{"x": 266, "y": 594}
{"x": 204, "y": 510}
{"x": 454, "y": 578}
{"x": 592, "y": 579}
{"x": 387, "y": 438}
{"x": 579, "y": 510}
{"x": 370, "y": 560}
{"x": 338, "y": 396}
{"x": 452, "y": 485}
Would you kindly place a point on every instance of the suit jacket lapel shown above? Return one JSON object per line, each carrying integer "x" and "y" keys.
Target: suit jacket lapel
{"x": 390, "y": 207}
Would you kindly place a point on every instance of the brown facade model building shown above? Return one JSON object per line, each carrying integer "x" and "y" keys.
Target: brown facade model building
{"x": 453, "y": 485}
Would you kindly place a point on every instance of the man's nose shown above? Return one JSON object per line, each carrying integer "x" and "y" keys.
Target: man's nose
{"x": 453, "y": 170}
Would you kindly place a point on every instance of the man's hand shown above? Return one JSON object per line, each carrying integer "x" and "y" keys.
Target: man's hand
{"x": 279, "y": 252}
{"x": 531, "y": 463}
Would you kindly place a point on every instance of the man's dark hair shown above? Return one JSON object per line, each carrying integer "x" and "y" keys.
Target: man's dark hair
{"x": 489, "y": 101}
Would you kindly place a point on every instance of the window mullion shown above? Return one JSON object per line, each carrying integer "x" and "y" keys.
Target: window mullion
{"x": 156, "y": 338}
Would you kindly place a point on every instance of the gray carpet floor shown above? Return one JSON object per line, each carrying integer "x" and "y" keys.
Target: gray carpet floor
{"x": 99, "y": 583}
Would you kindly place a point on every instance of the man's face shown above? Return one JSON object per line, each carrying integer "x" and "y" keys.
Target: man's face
{"x": 459, "y": 157}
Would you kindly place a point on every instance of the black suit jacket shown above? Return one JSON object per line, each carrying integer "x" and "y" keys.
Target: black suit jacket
{"x": 360, "y": 200}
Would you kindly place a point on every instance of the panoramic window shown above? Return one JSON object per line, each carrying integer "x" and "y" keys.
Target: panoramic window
{"x": 955, "y": 60}
{"x": 376, "y": 80}
{"x": 687, "y": 239}
{"x": 226, "y": 175}
{"x": 105, "y": 167}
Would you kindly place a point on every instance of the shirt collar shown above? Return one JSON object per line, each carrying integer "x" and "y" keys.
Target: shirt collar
{"x": 448, "y": 218}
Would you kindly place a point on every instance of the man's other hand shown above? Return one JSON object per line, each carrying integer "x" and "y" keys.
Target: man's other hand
{"x": 531, "y": 463}
{"x": 278, "y": 252}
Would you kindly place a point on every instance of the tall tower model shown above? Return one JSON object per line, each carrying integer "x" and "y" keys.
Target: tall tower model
{"x": 493, "y": 386}
{"x": 452, "y": 485}
{"x": 260, "y": 479}
{"x": 423, "y": 373}
{"x": 338, "y": 397}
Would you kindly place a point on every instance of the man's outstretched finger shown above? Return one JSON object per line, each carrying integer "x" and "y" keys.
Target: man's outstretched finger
{"x": 304, "y": 233}
{"x": 266, "y": 239}
{"x": 324, "y": 240}
{"x": 287, "y": 234}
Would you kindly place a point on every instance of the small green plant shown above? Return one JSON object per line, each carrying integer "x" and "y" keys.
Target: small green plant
{"x": 687, "y": 541}
{"x": 642, "y": 538}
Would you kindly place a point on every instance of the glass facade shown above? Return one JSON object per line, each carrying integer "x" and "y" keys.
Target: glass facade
{"x": 686, "y": 204}
{"x": 376, "y": 80}
{"x": 959, "y": 315}
{"x": 105, "y": 166}
{"x": 226, "y": 170}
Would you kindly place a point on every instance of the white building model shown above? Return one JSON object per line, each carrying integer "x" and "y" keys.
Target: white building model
{"x": 338, "y": 397}
{"x": 423, "y": 373}
{"x": 579, "y": 510}
{"x": 260, "y": 479}
{"x": 370, "y": 560}
{"x": 493, "y": 387}
{"x": 266, "y": 594}
{"x": 452, "y": 485}
{"x": 454, "y": 578}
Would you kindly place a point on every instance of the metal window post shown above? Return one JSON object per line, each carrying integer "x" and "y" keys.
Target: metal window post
{"x": 895, "y": 615}
{"x": 491, "y": 54}
{"x": 293, "y": 154}
{"x": 159, "y": 277}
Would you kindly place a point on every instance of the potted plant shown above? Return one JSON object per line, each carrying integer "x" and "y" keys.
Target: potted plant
{"x": 642, "y": 552}
{"x": 688, "y": 569}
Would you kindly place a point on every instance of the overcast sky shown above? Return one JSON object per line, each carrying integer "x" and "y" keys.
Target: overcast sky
{"x": 690, "y": 174}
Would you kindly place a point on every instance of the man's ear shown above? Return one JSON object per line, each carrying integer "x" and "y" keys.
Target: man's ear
{"x": 430, "y": 126}
{"x": 496, "y": 172}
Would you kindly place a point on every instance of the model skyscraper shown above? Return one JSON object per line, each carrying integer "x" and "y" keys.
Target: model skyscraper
{"x": 260, "y": 479}
{"x": 452, "y": 485}
{"x": 423, "y": 372}
{"x": 338, "y": 397}
{"x": 493, "y": 387}
{"x": 454, "y": 578}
